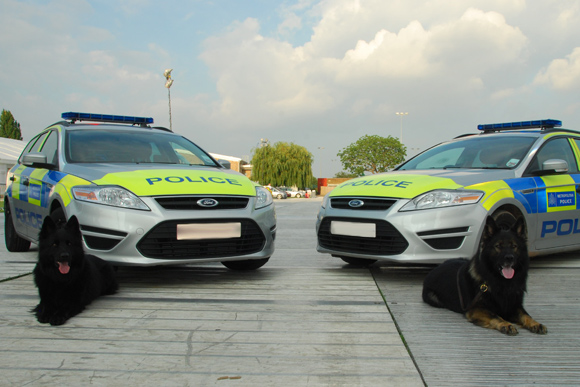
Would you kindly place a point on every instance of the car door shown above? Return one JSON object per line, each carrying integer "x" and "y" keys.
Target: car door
{"x": 557, "y": 196}
{"x": 30, "y": 185}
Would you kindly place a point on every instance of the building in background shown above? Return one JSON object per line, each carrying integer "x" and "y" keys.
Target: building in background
{"x": 10, "y": 149}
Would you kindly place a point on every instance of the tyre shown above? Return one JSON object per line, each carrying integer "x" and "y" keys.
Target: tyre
{"x": 298, "y": 195}
{"x": 361, "y": 262}
{"x": 14, "y": 243}
{"x": 58, "y": 216}
{"x": 504, "y": 219}
{"x": 279, "y": 197}
{"x": 249, "y": 264}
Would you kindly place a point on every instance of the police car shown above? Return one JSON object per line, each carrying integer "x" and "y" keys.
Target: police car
{"x": 143, "y": 195}
{"x": 433, "y": 207}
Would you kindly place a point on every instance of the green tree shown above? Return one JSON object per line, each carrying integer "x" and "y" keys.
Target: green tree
{"x": 344, "y": 175}
{"x": 372, "y": 154}
{"x": 9, "y": 127}
{"x": 282, "y": 164}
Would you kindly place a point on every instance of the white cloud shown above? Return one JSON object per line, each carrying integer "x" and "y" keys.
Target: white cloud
{"x": 562, "y": 74}
{"x": 261, "y": 79}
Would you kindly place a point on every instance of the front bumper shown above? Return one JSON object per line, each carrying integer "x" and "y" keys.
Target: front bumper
{"x": 425, "y": 236}
{"x": 148, "y": 238}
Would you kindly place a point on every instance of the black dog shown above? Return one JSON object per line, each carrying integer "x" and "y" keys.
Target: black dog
{"x": 66, "y": 278}
{"x": 489, "y": 289}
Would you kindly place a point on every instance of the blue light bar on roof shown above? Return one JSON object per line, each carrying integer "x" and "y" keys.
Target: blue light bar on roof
{"x": 74, "y": 116}
{"x": 549, "y": 123}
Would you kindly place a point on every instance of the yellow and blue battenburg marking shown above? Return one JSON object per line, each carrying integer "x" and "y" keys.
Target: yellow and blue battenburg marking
{"x": 546, "y": 194}
{"x": 37, "y": 191}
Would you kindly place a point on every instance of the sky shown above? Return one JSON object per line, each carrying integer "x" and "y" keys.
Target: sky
{"x": 319, "y": 74}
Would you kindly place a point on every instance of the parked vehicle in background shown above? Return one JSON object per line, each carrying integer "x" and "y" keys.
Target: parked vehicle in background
{"x": 293, "y": 193}
{"x": 278, "y": 194}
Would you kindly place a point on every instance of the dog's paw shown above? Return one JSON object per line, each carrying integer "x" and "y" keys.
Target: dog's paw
{"x": 41, "y": 315}
{"x": 539, "y": 329}
{"x": 508, "y": 329}
{"x": 57, "y": 320}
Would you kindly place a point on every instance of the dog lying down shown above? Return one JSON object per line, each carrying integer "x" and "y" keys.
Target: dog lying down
{"x": 489, "y": 289}
{"x": 66, "y": 278}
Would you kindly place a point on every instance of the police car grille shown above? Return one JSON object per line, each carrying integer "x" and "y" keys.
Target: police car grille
{"x": 161, "y": 242}
{"x": 373, "y": 204}
{"x": 190, "y": 203}
{"x": 388, "y": 240}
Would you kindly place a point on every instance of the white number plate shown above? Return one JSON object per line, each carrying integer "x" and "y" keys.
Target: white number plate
{"x": 209, "y": 231}
{"x": 365, "y": 230}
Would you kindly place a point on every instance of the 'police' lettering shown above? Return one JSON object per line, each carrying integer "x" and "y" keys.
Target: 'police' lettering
{"x": 561, "y": 228}
{"x": 31, "y": 219}
{"x": 383, "y": 183}
{"x": 187, "y": 179}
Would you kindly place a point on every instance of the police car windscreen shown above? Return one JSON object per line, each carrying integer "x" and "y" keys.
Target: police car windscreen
{"x": 102, "y": 146}
{"x": 494, "y": 152}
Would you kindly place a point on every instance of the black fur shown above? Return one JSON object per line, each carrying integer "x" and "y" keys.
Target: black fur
{"x": 489, "y": 289}
{"x": 66, "y": 278}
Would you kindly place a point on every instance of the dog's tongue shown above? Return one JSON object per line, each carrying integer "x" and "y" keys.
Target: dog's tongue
{"x": 63, "y": 267}
{"x": 508, "y": 272}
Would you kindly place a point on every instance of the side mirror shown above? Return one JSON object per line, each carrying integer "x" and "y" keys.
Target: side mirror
{"x": 37, "y": 160}
{"x": 555, "y": 166}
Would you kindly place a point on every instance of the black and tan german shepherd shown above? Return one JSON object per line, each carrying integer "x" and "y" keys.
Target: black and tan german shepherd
{"x": 489, "y": 289}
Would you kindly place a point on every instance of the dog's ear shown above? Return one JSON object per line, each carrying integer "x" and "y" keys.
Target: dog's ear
{"x": 489, "y": 229}
{"x": 73, "y": 226}
{"x": 520, "y": 228}
{"x": 48, "y": 227}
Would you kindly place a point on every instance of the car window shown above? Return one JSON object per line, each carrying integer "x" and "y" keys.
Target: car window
{"x": 493, "y": 152}
{"x": 48, "y": 147}
{"x": 558, "y": 148}
{"x": 32, "y": 144}
{"x": 107, "y": 146}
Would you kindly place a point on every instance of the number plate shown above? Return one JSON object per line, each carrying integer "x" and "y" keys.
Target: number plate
{"x": 209, "y": 231}
{"x": 365, "y": 230}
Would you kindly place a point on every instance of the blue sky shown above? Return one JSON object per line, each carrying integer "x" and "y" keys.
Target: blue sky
{"x": 320, "y": 74}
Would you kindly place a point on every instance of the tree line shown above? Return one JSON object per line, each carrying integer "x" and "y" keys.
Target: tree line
{"x": 288, "y": 164}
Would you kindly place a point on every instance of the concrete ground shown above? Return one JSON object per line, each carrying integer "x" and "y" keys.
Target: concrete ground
{"x": 304, "y": 319}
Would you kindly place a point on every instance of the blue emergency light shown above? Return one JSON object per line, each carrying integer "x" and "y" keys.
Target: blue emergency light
{"x": 74, "y": 116}
{"x": 544, "y": 124}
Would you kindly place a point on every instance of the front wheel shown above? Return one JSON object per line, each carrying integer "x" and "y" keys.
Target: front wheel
{"x": 249, "y": 264}
{"x": 14, "y": 243}
{"x": 504, "y": 219}
{"x": 298, "y": 195}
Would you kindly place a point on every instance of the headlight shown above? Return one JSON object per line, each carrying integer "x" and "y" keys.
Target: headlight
{"x": 325, "y": 201}
{"x": 109, "y": 196}
{"x": 263, "y": 198}
{"x": 442, "y": 198}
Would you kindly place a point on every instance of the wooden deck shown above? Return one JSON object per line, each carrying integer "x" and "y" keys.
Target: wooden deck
{"x": 304, "y": 319}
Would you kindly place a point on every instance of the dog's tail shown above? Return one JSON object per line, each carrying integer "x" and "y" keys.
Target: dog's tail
{"x": 430, "y": 297}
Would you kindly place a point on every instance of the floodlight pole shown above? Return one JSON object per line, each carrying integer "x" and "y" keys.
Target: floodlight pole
{"x": 169, "y": 96}
{"x": 168, "y": 83}
{"x": 401, "y": 114}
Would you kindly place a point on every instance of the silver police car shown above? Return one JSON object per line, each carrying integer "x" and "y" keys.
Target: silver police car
{"x": 143, "y": 195}
{"x": 433, "y": 207}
